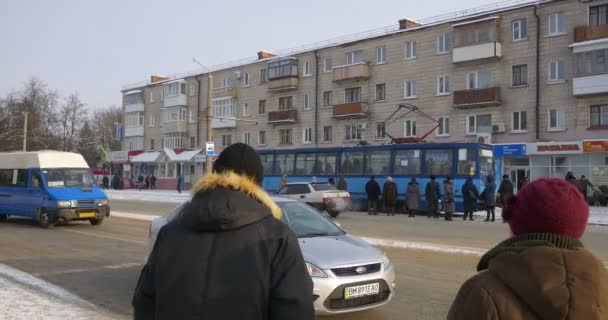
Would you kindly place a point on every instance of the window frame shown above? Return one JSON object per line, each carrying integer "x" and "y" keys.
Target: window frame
{"x": 328, "y": 132}
{"x": 246, "y": 80}
{"x": 477, "y": 73}
{"x": 409, "y": 128}
{"x": 441, "y": 129}
{"x": 602, "y": 112}
{"x": 351, "y": 93}
{"x": 559, "y": 16}
{"x": 381, "y": 55}
{"x": 354, "y": 57}
{"x": 522, "y": 76}
{"x": 328, "y": 64}
{"x": 556, "y": 63}
{"x": 522, "y": 118}
{"x": 306, "y": 69}
{"x": 380, "y": 132}
{"x": 444, "y": 44}
{"x": 285, "y": 136}
{"x": 522, "y": 30}
{"x": 328, "y": 99}
{"x": 409, "y": 89}
{"x": 353, "y": 131}
{"x": 476, "y": 123}
{"x": 262, "y": 107}
{"x": 307, "y": 135}
{"x": 383, "y": 85}
{"x": 246, "y": 111}
{"x": 262, "y": 138}
{"x": 307, "y": 105}
{"x": 443, "y": 81}
{"x": 557, "y": 127}
{"x": 410, "y": 50}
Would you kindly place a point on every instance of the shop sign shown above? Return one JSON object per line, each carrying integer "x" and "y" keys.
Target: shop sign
{"x": 599, "y": 175}
{"x": 507, "y": 150}
{"x": 554, "y": 148}
{"x": 595, "y": 146}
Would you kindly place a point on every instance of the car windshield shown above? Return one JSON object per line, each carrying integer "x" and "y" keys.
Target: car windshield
{"x": 60, "y": 178}
{"x": 306, "y": 221}
{"x": 323, "y": 187}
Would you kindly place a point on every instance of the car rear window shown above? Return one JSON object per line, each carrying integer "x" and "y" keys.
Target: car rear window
{"x": 323, "y": 187}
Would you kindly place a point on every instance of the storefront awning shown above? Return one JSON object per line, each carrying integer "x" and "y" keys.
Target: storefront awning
{"x": 150, "y": 156}
{"x": 183, "y": 156}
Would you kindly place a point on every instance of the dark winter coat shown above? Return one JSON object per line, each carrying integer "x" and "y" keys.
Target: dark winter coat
{"x": 488, "y": 193}
{"x": 449, "y": 203}
{"x": 535, "y": 279}
{"x": 389, "y": 193}
{"x": 228, "y": 257}
{"x": 412, "y": 196}
{"x": 432, "y": 191}
{"x": 342, "y": 184}
{"x": 505, "y": 190}
{"x": 572, "y": 179}
{"x": 585, "y": 185}
{"x": 470, "y": 194}
{"x": 372, "y": 188}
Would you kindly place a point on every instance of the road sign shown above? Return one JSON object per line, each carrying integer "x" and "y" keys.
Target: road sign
{"x": 210, "y": 148}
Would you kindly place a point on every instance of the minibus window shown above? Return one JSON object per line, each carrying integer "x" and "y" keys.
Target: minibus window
{"x": 59, "y": 178}
{"x": 36, "y": 181}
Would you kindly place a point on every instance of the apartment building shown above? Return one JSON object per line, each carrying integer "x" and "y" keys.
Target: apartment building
{"x": 525, "y": 74}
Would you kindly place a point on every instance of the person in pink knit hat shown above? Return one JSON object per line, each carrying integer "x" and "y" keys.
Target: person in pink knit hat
{"x": 543, "y": 271}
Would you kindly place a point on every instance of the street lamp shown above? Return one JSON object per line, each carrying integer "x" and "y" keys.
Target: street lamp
{"x": 208, "y": 166}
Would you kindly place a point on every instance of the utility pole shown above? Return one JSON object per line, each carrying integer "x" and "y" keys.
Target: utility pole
{"x": 208, "y": 165}
{"x": 25, "y": 132}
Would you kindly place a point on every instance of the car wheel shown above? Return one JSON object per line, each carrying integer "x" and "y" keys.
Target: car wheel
{"x": 44, "y": 220}
{"x": 96, "y": 222}
{"x": 3, "y": 217}
{"x": 334, "y": 214}
{"x": 596, "y": 204}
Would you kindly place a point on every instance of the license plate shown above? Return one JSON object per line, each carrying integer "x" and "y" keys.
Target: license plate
{"x": 87, "y": 215}
{"x": 359, "y": 291}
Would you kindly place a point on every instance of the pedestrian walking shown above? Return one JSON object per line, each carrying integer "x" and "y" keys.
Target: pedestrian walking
{"x": 389, "y": 196}
{"x": 470, "y": 195}
{"x": 572, "y": 179}
{"x": 449, "y": 203}
{"x": 229, "y": 256}
{"x": 105, "y": 181}
{"x": 432, "y": 194}
{"x": 140, "y": 182}
{"x": 115, "y": 182}
{"x": 153, "y": 181}
{"x": 179, "y": 183}
{"x": 342, "y": 183}
{"x": 505, "y": 190}
{"x": 586, "y": 187}
{"x": 283, "y": 182}
{"x": 543, "y": 271}
{"x": 487, "y": 195}
{"x": 412, "y": 198}
{"x": 148, "y": 182}
{"x": 372, "y": 188}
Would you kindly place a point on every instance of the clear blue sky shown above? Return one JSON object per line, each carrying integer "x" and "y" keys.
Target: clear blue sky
{"x": 95, "y": 47}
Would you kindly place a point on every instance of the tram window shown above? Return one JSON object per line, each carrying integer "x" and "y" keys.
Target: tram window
{"x": 407, "y": 162}
{"x": 352, "y": 163}
{"x": 439, "y": 162}
{"x": 305, "y": 163}
{"x": 326, "y": 164}
{"x": 486, "y": 163}
{"x": 466, "y": 162}
{"x": 377, "y": 162}
{"x": 267, "y": 163}
{"x": 284, "y": 164}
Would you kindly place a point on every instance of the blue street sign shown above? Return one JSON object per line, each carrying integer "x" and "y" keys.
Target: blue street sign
{"x": 509, "y": 150}
{"x": 119, "y": 132}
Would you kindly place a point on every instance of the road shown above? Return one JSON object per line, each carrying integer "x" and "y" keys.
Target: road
{"x": 101, "y": 264}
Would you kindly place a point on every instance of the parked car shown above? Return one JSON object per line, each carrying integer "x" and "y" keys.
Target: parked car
{"x": 348, "y": 273}
{"x": 599, "y": 196}
{"x": 322, "y": 196}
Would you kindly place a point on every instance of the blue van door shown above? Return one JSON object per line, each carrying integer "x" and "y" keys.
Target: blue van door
{"x": 34, "y": 193}
{"x": 26, "y": 199}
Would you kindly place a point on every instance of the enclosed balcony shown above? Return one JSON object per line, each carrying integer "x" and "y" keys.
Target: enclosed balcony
{"x": 283, "y": 117}
{"x": 283, "y": 84}
{"x": 586, "y": 33}
{"x": 473, "y": 98}
{"x": 357, "y": 71}
{"x": 283, "y": 74}
{"x": 174, "y": 94}
{"x": 350, "y": 110}
{"x": 133, "y": 101}
{"x": 477, "y": 40}
{"x": 590, "y": 68}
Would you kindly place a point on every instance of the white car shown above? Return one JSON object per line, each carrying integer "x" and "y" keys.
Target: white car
{"x": 348, "y": 273}
{"x": 322, "y": 196}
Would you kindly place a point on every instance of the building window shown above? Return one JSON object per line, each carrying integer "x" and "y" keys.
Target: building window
{"x": 557, "y": 23}
{"x": 151, "y": 122}
{"x": 226, "y": 140}
{"x": 262, "y": 107}
{"x": 327, "y": 134}
{"x": 352, "y": 95}
{"x": 520, "y": 121}
{"x": 287, "y": 67}
{"x": 246, "y": 81}
{"x": 556, "y": 70}
{"x": 443, "y": 43}
{"x": 285, "y": 103}
{"x": 246, "y": 112}
{"x": 443, "y": 85}
{"x": 410, "y": 49}
{"x": 151, "y": 96}
{"x": 381, "y": 55}
{"x": 444, "y": 126}
{"x": 520, "y": 29}
{"x": 354, "y": 57}
{"x": 173, "y": 114}
{"x": 410, "y": 128}
{"x": 481, "y": 123}
{"x": 224, "y": 107}
{"x": 479, "y": 79}
{"x": 557, "y": 119}
{"x": 327, "y": 98}
{"x": 598, "y": 15}
{"x": 262, "y": 137}
{"x": 599, "y": 116}
{"x": 134, "y": 119}
{"x": 380, "y": 92}
{"x": 151, "y": 144}
{"x": 591, "y": 62}
{"x": 193, "y": 89}
{"x": 192, "y": 142}
{"x": 174, "y": 140}
{"x": 173, "y": 89}
{"x": 247, "y": 138}
{"x": 307, "y": 102}
{"x": 380, "y": 130}
{"x": 132, "y": 99}
{"x": 409, "y": 90}
{"x": 520, "y": 75}
{"x": 328, "y": 64}
{"x": 306, "y": 69}
{"x": 307, "y": 135}
{"x": 353, "y": 131}
{"x": 263, "y": 76}
{"x": 191, "y": 116}
{"x": 285, "y": 136}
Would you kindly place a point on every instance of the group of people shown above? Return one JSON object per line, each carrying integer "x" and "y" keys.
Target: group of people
{"x": 229, "y": 256}
{"x": 148, "y": 183}
{"x": 583, "y": 185}
{"x": 117, "y": 183}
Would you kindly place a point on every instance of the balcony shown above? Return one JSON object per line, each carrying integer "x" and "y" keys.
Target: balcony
{"x": 478, "y": 51}
{"x": 174, "y": 126}
{"x": 358, "y": 71}
{"x": 350, "y": 110}
{"x": 474, "y": 98}
{"x": 175, "y": 100}
{"x": 134, "y": 131}
{"x": 586, "y": 33}
{"x": 283, "y": 117}
{"x": 590, "y": 84}
{"x": 283, "y": 84}
{"x": 135, "y": 107}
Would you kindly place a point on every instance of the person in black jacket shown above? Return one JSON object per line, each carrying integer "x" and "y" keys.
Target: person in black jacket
{"x": 372, "y": 188}
{"x": 228, "y": 256}
{"x": 432, "y": 193}
{"x": 505, "y": 190}
{"x": 470, "y": 195}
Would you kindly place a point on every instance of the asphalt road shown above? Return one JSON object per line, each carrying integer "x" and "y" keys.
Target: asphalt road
{"x": 102, "y": 264}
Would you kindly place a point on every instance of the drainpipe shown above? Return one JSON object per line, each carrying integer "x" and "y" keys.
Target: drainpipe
{"x": 198, "y": 112}
{"x": 316, "y": 97}
{"x": 537, "y": 102}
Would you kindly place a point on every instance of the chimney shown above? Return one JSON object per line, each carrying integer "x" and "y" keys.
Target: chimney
{"x": 157, "y": 79}
{"x": 265, "y": 55}
{"x": 407, "y": 23}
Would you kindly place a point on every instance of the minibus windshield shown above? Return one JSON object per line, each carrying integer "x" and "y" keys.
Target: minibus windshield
{"x": 60, "y": 178}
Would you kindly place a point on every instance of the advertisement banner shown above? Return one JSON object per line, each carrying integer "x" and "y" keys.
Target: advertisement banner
{"x": 554, "y": 147}
{"x": 599, "y": 175}
{"x": 595, "y": 146}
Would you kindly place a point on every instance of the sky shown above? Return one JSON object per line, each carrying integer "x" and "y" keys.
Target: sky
{"x": 96, "y": 47}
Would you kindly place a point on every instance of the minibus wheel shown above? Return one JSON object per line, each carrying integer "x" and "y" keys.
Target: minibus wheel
{"x": 96, "y": 222}
{"x": 44, "y": 220}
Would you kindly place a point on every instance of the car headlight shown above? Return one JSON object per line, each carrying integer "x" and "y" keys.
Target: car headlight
{"x": 64, "y": 204}
{"x": 386, "y": 262}
{"x": 315, "y": 271}
{"x": 102, "y": 202}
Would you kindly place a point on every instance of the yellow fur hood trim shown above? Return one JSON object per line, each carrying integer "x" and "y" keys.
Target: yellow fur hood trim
{"x": 231, "y": 180}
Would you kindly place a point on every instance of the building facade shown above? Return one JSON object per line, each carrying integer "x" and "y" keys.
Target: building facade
{"x": 530, "y": 73}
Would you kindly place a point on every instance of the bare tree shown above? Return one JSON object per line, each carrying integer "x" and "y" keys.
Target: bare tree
{"x": 71, "y": 118}
{"x": 103, "y": 123}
